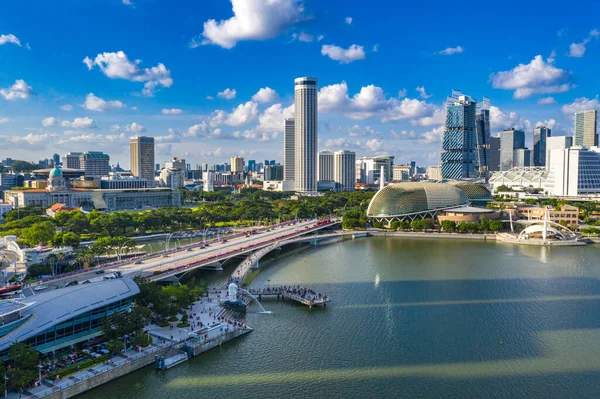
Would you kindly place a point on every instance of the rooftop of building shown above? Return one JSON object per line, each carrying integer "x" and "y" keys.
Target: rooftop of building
{"x": 470, "y": 209}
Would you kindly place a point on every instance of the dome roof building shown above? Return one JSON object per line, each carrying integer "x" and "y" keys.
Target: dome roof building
{"x": 56, "y": 180}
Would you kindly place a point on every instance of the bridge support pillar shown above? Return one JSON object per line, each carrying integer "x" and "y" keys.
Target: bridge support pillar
{"x": 218, "y": 266}
{"x": 255, "y": 265}
{"x": 313, "y": 241}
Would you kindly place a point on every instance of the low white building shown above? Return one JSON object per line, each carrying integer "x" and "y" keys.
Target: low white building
{"x": 278, "y": 185}
{"x": 574, "y": 172}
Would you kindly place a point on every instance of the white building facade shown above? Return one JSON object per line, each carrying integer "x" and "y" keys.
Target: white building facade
{"x": 289, "y": 164}
{"x": 326, "y": 166}
{"x": 574, "y": 172}
{"x": 305, "y": 137}
{"x": 344, "y": 173}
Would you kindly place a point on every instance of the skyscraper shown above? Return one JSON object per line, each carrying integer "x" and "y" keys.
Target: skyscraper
{"x": 540, "y": 136}
{"x": 72, "y": 160}
{"x": 95, "y": 163}
{"x": 459, "y": 156}
{"x": 252, "y": 165}
{"x": 288, "y": 150}
{"x": 510, "y": 140}
{"x": 237, "y": 164}
{"x": 326, "y": 166}
{"x": 585, "y": 128}
{"x": 142, "y": 157}
{"x": 344, "y": 170}
{"x": 482, "y": 128}
{"x": 305, "y": 136}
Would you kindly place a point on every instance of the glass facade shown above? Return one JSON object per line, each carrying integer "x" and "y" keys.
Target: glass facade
{"x": 459, "y": 153}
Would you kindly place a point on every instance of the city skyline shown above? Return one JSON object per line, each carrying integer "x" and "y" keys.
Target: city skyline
{"x": 190, "y": 86}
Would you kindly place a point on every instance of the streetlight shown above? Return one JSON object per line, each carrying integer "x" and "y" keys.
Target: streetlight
{"x": 40, "y": 373}
{"x": 5, "y": 385}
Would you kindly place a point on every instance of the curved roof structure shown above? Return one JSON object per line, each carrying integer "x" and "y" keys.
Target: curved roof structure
{"x": 539, "y": 228}
{"x": 475, "y": 192}
{"x": 402, "y": 199}
{"x": 56, "y": 172}
{"x": 55, "y": 306}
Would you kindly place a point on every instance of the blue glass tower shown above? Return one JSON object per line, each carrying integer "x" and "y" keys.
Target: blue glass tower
{"x": 459, "y": 145}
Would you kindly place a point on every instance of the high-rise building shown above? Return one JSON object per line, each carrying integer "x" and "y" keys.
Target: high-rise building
{"x": 521, "y": 157}
{"x": 482, "y": 129}
{"x": 273, "y": 172}
{"x": 176, "y": 163}
{"x": 305, "y": 137}
{"x": 585, "y": 128}
{"x": 56, "y": 159}
{"x": 557, "y": 143}
{"x": 289, "y": 133}
{"x": 368, "y": 170}
{"x": 573, "y": 171}
{"x": 540, "y": 136}
{"x": 237, "y": 164}
{"x": 252, "y": 165}
{"x": 344, "y": 174}
{"x": 494, "y": 160}
{"x": 72, "y": 160}
{"x": 459, "y": 155}
{"x": 510, "y": 140}
{"x": 142, "y": 158}
{"x": 326, "y": 166}
{"x": 95, "y": 164}
{"x": 401, "y": 172}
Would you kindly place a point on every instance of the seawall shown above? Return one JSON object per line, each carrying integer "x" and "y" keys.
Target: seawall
{"x": 448, "y": 236}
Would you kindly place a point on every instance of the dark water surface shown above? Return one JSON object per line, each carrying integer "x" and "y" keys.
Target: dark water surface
{"x": 410, "y": 318}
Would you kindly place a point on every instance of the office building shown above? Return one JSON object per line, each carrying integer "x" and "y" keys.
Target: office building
{"x": 116, "y": 181}
{"x": 585, "y": 128}
{"x": 344, "y": 170}
{"x": 368, "y": 170}
{"x": 306, "y": 135}
{"x": 510, "y": 140}
{"x": 459, "y": 155}
{"x": 237, "y": 164}
{"x": 401, "y": 172}
{"x": 521, "y": 157}
{"x": 273, "y": 172}
{"x": 434, "y": 173}
{"x": 56, "y": 159}
{"x": 72, "y": 160}
{"x": 557, "y": 143}
{"x": 177, "y": 163}
{"x": 494, "y": 159}
{"x": 142, "y": 158}
{"x": 252, "y": 165}
{"x": 574, "y": 171}
{"x": 95, "y": 164}
{"x": 172, "y": 177}
{"x": 289, "y": 132}
{"x": 540, "y": 137}
{"x": 326, "y": 166}
{"x": 483, "y": 145}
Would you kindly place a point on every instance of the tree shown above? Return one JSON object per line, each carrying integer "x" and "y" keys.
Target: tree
{"x": 39, "y": 233}
{"x": 448, "y": 225}
{"x": 25, "y": 360}
{"x": 38, "y": 269}
{"x": 395, "y": 225}
{"x": 417, "y": 224}
{"x": 463, "y": 227}
{"x": 495, "y": 225}
{"x": 70, "y": 239}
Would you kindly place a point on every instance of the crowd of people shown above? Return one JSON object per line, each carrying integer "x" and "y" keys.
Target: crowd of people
{"x": 293, "y": 291}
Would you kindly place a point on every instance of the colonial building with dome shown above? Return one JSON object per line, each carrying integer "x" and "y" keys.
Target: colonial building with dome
{"x": 58, "y": 192}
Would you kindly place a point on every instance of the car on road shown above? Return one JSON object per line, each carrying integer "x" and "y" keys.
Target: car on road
{"x": 41, "y": 287}
{"x": 224, "y": 240}
{"x": 74, "y": 282}
{"x": 188, "y": 249}
{"x": 164, "y": 256}
{"x": 99, "y": 271}
{"x": 137, "y": 262}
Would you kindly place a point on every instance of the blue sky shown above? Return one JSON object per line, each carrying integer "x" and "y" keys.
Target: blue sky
{"x": 87, "y": 75}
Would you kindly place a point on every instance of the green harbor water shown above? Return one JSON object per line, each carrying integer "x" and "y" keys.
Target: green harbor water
{"x": 410, "y": 318}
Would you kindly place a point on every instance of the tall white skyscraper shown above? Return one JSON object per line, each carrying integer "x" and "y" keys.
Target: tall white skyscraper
{"x": 345, "y": 175}
{"x": 142, "y": 158}
{"x": 305, "y": 138}
{"x": 585, "y": 128}
{"x": 289, "y": 165}
{"x": 326, "y": 166}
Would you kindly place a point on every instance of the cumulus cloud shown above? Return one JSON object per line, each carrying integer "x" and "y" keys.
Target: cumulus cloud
{"x": 66, "y": 107}
{"x": 348, "y": 20}
{"x": 273, "y": 118}
{"x": 403, "y": 134}
{"x": 581, "y": 104}
{"x": 265, "y": 95}
{"x": 502, "y": 120}
{"x": 4, "y": 120}
{"x": 547, "y": 100}
{"x": 410, "y": 108}
{"x": 172, "y": 136}
{"x": 172, "y": 111}
{"x": 358, "y": 131}
{"x": 537, "y": 77}
{"x": 344, "y": 56}
{"x": 30, "y": 141}
{"x": 577, "y": 50}
{"x": 118, "y": 66}
{"x": 93, "y": 103}
{"x": 10, "y": 38}
{"x": 432, "y": 136}
{"x": 18, "y": 91}
{"x": 228, "y": 94}
{"x": 451, "y": 50}
{"x": 422, "y": 93}
{"x": 305, "y": 37}
{"x": 374, "y": 145}
{"x": 135, "y": 128}
{"x": 251, "y": 20}
{"x": 78, "y": 123}
{"x": 243, "y": 114}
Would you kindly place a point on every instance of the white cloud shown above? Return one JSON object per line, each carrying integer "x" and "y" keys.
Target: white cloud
{"x": 344, "y": 56}
{"x": 273, "y": 118}
{"x": 320, "y": 37}
{"x": 172, "y": 111}
{"x": 402, "y": 93}
{"x": 375, "y": 48}
{"x": 115, "y": 128}
{"x": 537, "y": 77}
{"x": 10, "y": 38}
{"x": 577, "y": 50}
{"x": 409, "y": 108}
{"x": 4, "y": 120}
{"x": 265, "y": 95}
{"x": 348, "y": 20}
{"x": 93, "y": 103}
{"x": 228, "y": 94}
{"x": 66, "y": 107}
{"x": 422, "y": 93}
{"x": 78, "y": 123}
{"x": 501, "y": 120}
{"x": 30, "y": 141}
{"x": 547, "y": 100}
{"x": 305, "y": 37}
{"x": 210, "y": 98}
{"x": 256, "y": 135}
{"x": 135, "y": 128}
{"x": 403, "y": 135}
{"x": 432, "y": 136}
{"x": 581, "y": 104}
{"x": 451, "y": 50}
{"x": 359, "y": 131}
{"x": 172, "y": 136}
{"x": 118, "y": 66}
{"x": 550, "y": 123}
{"x": 429, "y": 119}
{"x": 374, "y": 145}
{"x": 243, "y": 114}
{"x": 251, "y": 20}
{"x": 18, "y": 91}
{"x": 127, "y": 2}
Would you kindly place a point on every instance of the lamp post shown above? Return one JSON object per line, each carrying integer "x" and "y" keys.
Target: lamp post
{"x": 40, "y": 372}
{"x": 5, "y": 386}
